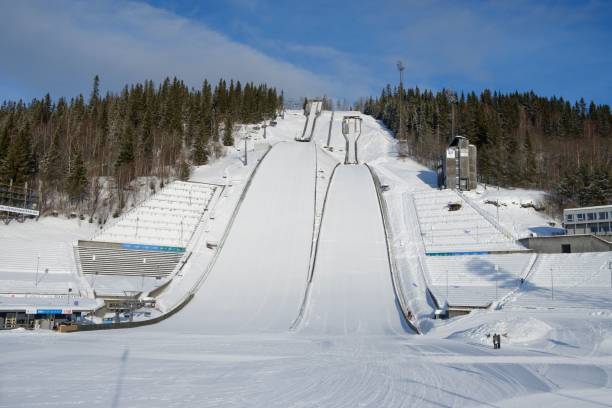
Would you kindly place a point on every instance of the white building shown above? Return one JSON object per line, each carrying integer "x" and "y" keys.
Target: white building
{"x": 588, "y": 220}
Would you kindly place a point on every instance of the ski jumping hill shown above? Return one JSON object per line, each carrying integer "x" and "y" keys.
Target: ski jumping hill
{"x": 352, "y": 291}
{"x": 258, "y": 281}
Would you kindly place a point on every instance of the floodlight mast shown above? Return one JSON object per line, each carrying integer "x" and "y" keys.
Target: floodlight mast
{"x": 452, "y": 98}
{"x": 400, "y": 93}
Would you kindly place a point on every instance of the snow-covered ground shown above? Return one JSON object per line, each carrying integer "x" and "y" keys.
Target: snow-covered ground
{"x": 519, "y": 220}
{"x": 235, "y": 344}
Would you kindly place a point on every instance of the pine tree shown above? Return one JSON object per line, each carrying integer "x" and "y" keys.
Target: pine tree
{"x": 200, "y": 152}
{"x": 228, "y": 139}
{"x": 17, "y": 164}
{"x": 53, "y": 163}
{"x": 184, "y": 170}
{"x": 77, "y": 179}
{"x": 126, "y": 150}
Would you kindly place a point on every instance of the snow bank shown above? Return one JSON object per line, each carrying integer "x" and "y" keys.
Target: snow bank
{"x": 519, "y": 330}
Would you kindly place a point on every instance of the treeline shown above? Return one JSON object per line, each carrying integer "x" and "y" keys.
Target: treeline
{"x": 523, "y": 140}
{"x": 69, "y": 148}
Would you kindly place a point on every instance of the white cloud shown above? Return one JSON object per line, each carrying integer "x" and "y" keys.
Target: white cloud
{"x": 59, "y": 47}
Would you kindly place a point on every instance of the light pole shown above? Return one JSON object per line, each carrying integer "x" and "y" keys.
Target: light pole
{"x": 497, "y": 206}
{"x": 245, "y": 151}
{"x": 446, "y": 285}
{"x": 450, "y": 95}
{"x": 496, "y": 280}
{"x": 552, "y": 285}
{"x": 610, "y": 268}
{"x": 400, "y": 93}
{"x": 36, "y": 278}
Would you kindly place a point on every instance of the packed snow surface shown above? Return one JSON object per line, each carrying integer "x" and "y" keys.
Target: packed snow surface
{"x": 352, "y": 291}
{"x": 259, "y": 279}
{"x": 235, "y": 344}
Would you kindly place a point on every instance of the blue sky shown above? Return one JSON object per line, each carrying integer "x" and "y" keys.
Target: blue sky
{"x": 345, "y": 49}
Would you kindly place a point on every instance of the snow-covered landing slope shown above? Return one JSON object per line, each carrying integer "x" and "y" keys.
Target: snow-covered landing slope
{"x": 352, "y": 292}
{"x": 259, "y": 279}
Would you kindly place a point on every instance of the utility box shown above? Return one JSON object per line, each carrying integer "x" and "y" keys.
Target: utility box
{"x": 458, "y": 165}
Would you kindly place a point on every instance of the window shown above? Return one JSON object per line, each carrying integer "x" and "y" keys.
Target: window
{"x": 570, "y": 217}
{"x": 603, "y": 215}
{"x": 590, "y": 216}
{"x": 580, "y": 217}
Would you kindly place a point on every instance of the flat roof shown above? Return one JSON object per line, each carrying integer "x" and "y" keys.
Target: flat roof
{"x": 597, "y": 207}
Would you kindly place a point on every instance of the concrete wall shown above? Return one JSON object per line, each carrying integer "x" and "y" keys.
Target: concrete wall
{"x": 578, "y": 243}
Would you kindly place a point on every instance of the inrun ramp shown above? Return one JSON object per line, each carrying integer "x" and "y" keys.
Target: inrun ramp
{"x": 352, "y": 291}
{"x": 259, "y": 279}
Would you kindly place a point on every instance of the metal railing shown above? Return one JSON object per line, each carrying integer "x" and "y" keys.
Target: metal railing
{"x": 314, "y": 253}
{"x": 395, "y": 278}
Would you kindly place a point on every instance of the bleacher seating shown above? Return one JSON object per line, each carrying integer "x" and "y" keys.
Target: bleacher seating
{"x": 126, "y": 262}
{"x": 168, "y": 217}
{"x": 567, "y": 281}
{"x": 457, "y": 231}
{"x": 53, "y": 257}
{"x": 41, "y": 284}
{"x": 140, "y": 250}
{"x": 473, "y": 280}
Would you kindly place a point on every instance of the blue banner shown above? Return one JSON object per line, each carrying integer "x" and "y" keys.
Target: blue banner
{"x": 457, "y": 253}
{"x": 158, "y": 248}
{"x": 49, "y": 311}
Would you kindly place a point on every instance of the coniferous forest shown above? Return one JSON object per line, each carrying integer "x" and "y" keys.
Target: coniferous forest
{"x": 67, "y": 149}
{"x": 523, "y": 140}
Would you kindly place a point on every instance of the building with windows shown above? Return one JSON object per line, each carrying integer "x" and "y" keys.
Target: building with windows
{"x": 588, "y": 220}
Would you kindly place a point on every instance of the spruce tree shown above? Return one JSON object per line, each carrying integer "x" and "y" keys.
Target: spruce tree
{"x": 17, "y": 164}
{"x": 200, "y": 152}
{"x": 126, "y": 150}
{"x": 53, "y": 163}
{"x": 184, "y": 170}
{"x": 228, "y": 139}
{"x": 77, "y": 179}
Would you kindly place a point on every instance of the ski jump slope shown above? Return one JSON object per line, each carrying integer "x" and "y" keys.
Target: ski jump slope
{"x": 259, "y": 279}
{"x": 352, "y": 292}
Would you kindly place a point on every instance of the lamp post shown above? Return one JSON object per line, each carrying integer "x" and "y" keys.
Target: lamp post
{"x": 552, "y": 285}
{"x": 446, "y": 285}
{"x": 400, "y": 93}
{"x": 450, "y": 95}
{"x": 36, "y": 278}
{"x": 496, "y": 280}
{"x": 245, "y": 151}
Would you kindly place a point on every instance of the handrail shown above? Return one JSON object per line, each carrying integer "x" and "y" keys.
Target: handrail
{"x": 395, "y": 278}
{"x": 313, "y": 263}
{"x": 486, "y": 216}
{"x": 530, "y": 268}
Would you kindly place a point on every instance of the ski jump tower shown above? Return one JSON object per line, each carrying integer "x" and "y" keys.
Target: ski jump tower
{"x": 312, "y": 111}
{"x": 458, "y": 169}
